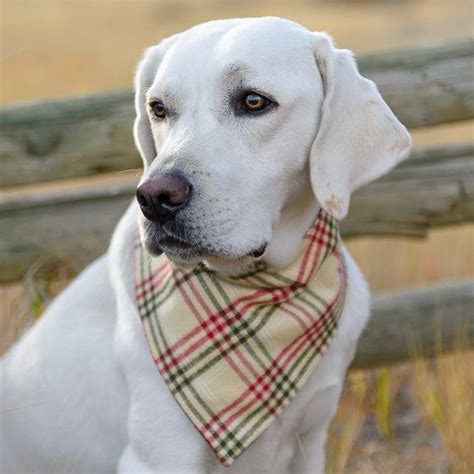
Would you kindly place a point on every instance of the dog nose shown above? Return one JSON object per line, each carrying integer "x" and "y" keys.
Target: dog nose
{"x": 161, "y": 197}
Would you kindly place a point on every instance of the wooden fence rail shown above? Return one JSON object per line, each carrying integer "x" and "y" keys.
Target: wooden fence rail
{"x": 433, "y": 188}
{"x": 89, "y": 135}
{"x": 422, "y": 322}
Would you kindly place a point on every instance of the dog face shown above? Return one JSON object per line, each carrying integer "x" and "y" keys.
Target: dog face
{"x": 245, "y": 127}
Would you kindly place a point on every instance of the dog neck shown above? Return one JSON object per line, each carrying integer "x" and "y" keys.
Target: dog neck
{"x": 295, "y": 218}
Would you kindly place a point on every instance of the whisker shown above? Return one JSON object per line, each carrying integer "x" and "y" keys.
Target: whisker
{"x": 23, "y": 407}
{"x": 128, "y": 171}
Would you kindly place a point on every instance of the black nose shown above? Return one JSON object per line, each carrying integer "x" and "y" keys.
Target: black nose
{"x": 161, "y": 197}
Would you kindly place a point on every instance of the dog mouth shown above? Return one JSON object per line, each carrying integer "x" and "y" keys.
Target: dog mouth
{"x": 179, "y": 249}
{"x": 176, "y": 246}
{"x": 259, "y": 251}
{"x": 182, "y": 250}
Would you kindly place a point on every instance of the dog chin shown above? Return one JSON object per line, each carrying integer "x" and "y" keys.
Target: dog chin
{"x": 232, "y": 267}
{"x": 177, "y": 252}
{"x": 187, "y": 256}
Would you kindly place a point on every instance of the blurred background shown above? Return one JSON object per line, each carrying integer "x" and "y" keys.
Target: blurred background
{"x": 395, "y": 419}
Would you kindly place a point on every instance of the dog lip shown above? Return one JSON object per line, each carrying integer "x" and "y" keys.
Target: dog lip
{"x": 176, "y": 246}
{"x": 173, "y": 244}
{"x": 170, "y": 241}
{"x": 259, "y": 251}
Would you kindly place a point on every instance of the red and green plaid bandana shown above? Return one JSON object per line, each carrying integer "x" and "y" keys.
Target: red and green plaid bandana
{"x": 235, "y": 350}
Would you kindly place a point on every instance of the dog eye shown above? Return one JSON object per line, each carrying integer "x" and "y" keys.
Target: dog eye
{"x": 254, "y": 102}
{"x": 158, "y": 109}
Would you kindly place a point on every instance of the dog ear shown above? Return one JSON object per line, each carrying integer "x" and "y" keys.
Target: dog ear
{"x": 144, "y": 77}
{"x": 359, "y": 138}
{"x": 143, "y": 80}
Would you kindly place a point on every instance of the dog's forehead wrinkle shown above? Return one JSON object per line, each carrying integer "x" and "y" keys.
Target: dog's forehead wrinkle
{"x": 256, "y": 48}
{"x": 234, "y": 68}
{"x": 167, "y": 92}
{"x": 268, "y": 41}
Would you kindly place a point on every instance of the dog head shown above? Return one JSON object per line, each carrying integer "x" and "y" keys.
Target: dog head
{"x": 245, "y": 128}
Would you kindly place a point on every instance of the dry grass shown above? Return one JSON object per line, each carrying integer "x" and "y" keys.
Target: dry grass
{"x": 446, "y": 398}
{"x": 14, "y": 314}
{"x": 419, "y": 422}
{"x": 24, "y": 302}
{"x": 346, "y": 427}
{"x": 389, "y": 262}
{"x": 411, "y": 419}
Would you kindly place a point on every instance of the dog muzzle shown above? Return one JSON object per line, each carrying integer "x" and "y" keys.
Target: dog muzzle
{"x": 234, "y": 351}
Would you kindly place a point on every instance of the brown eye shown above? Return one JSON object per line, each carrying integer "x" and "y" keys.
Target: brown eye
{"x": 254, "y": 102}
{"x": 158, "y": 109}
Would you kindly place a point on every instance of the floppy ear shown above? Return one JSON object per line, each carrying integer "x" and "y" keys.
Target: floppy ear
{"x": 143, "y": 80}
{"x": 359, "y": 138}
{"x": 144, "y": 77}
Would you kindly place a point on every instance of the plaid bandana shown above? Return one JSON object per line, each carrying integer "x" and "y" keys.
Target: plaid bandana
{"x": 234, "y": 351}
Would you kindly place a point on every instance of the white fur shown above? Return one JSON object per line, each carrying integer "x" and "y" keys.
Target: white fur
{"x": 80, "y": 392}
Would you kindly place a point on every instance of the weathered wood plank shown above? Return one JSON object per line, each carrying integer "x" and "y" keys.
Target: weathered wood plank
{"x": 74, "y": 226}
{"x": 433, "y": 188}
{"x": 67, "y": 138}
{"x": 426, "y": 86}
{"x": 89, "y": 135}
{"x": 421, "y": 322}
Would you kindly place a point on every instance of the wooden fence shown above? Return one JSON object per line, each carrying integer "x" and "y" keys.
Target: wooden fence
{"x": 86, "y": 137}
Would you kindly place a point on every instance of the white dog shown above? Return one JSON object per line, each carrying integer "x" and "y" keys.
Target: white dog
{"x": 265, "y": 122}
